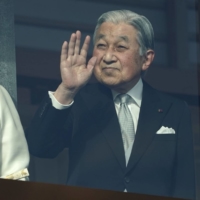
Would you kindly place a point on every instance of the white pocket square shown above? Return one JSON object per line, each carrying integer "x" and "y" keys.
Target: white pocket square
{"x": 165, "y": 130}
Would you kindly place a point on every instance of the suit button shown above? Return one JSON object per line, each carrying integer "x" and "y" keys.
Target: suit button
{"x": 127, "y": 179}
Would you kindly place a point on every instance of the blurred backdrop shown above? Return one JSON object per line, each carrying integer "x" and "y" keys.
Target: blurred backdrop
{"x": 41, "y": 26}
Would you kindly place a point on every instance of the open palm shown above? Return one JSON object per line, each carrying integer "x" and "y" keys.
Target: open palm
{"x": 75, "y": 72}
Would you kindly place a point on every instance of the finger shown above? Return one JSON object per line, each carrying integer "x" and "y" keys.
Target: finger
{"x": 72, "y": 44}
{"x": 85, "y": 47}
{"x": 91, "y": 63}
{"x": 78, "y": 41}
{"x": 63, "y": 55}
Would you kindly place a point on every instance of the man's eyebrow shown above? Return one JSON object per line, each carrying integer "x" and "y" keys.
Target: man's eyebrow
{"x": 125, "y": 38}
{"x": 100, "y": 36}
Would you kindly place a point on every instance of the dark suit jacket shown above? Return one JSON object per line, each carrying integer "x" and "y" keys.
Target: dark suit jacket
{"x": 160, "y": 164}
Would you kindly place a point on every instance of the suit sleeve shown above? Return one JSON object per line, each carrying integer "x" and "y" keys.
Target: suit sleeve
{"x": 185, "y": 171}
{"x": 14, "y": 155}
{"x": 47, "y": 134}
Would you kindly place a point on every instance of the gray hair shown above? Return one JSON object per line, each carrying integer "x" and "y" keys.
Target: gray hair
{"x": 145, "y": 36}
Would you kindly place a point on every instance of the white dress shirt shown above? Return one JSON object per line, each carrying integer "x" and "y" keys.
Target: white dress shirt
{"x": 135, "y": 104}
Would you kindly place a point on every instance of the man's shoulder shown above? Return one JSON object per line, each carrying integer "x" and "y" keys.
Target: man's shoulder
{"x": 94, "y": 89}
{"x": 162, "y": 95}
{"x": 92, "y": 97}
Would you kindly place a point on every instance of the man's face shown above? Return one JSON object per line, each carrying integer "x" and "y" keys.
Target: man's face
{"x": 119, "y": 64}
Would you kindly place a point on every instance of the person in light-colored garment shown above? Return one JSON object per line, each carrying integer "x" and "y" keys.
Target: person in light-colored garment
{"x": 14, "y": 155}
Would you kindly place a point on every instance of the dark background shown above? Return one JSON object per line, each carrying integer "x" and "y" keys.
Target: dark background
{"x": 41, "y": 26}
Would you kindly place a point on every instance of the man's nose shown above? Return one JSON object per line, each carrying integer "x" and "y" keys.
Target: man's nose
{"x": 109, "y": 56}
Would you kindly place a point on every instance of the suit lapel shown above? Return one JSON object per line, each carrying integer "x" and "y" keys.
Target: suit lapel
{"x": 150, "y": 120}
{"x": 102, "y": 109}
{"x": 99, "y": 101}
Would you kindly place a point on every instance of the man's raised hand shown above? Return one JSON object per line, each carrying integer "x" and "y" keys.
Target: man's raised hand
{"x": 75, "y": 72}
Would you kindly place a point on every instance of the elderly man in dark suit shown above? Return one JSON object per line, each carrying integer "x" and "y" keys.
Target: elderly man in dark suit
{"x": 122, "y": 134}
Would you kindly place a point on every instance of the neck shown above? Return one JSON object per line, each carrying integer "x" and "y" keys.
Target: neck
{"x": 124, "y": 88}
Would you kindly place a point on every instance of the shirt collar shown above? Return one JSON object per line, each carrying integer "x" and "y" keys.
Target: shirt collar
{"x": 135, "y": 92}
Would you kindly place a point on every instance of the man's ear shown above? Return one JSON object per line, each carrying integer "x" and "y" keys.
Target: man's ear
{"x": 148, "y": 59}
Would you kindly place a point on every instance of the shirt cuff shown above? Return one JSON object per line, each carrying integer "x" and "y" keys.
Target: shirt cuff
{"x": 57, "y": 104}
